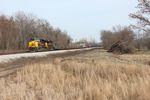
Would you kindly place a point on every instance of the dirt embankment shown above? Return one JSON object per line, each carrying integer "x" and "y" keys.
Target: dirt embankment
{"x": 8, "y": 68}
{"x": 90, "y": 75}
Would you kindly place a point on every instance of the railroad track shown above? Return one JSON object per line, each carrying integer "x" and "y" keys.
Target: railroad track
{"x": 28, "y": 51}
{"x": 11, "y": 62}
{"x": 14, "y": 56}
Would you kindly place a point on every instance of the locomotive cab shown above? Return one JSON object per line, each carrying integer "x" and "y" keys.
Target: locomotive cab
{"x": 40, "y": 44}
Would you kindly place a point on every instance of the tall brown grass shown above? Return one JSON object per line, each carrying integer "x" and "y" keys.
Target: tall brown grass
{"x": 91, "y": 76}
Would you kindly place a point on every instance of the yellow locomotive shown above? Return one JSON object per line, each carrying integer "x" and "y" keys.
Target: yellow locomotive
{"x": 40, "y": 44}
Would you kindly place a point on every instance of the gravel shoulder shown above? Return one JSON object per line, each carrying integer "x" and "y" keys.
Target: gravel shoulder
{"x": 13, "y": 57}
{"x": 9, "y": 64}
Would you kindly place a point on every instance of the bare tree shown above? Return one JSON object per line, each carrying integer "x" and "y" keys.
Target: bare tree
{"x": 122, "y": 34}
{"x": 62, "y": 39}
{"x": 16, "y": 31}
{"x": 107, "y": 38}
{"x": 142, "y": 14}
{"x": 8, "y": 33}
{"x": 26, "y": 25}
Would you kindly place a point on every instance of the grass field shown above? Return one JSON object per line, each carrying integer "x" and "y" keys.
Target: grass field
{"x": 94, "y": 75}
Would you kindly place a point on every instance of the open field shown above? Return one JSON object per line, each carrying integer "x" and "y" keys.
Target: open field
{"x": 93, "y": 75}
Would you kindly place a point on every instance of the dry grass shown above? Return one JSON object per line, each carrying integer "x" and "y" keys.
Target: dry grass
{"x": 91, "y": 76}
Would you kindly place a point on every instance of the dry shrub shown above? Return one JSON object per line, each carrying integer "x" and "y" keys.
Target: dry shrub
{"x": 79, "y": 79}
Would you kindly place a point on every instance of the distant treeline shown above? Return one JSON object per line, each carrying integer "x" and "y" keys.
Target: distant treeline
{"x": 127, "y": 36}
{"x": 123, "y": 34}
{"x": 134, "y": 36}
{"x": 17, "y": 30}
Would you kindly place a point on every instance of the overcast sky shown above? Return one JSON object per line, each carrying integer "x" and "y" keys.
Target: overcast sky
{"x": 80, "y": 18}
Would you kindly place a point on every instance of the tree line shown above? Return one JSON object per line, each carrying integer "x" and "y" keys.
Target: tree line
{"x": 134, "y": 36}
{"x": 17, "y": 30}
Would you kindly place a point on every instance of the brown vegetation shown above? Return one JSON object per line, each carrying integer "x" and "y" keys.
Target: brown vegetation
{"x": 95, "y": 75}
{"x": 137, "y": 36}
{"x": 143, "y": 24}
{"x": 142, "y": 14}
{"x": 119, "y": 48}
{"x": 16, "y": 31}
{"x": 122, "y": 34}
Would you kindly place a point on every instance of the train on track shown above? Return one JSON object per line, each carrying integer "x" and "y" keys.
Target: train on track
{"x": 40, "y": 45}
{"x": 37, "y": 44}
